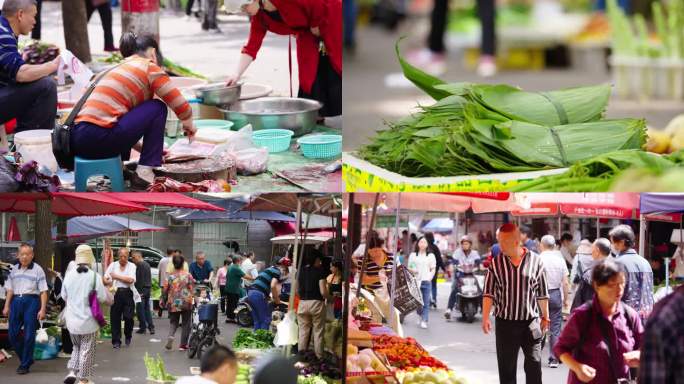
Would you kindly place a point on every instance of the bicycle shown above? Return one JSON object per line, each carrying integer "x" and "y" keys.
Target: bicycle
{"x": 204, "y": 323}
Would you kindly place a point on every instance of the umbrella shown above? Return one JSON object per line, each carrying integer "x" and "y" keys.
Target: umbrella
{"x": 69, "y": 203}
{"x": 92, "y": 227}
{"x": 443, "y": 224}
{"x": 178, "y": 200}
{"x": 13, "y": 231}
{"x": 231, "y": 212}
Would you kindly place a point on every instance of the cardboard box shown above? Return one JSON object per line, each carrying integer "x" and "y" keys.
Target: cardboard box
{"x": 362, "y": 176}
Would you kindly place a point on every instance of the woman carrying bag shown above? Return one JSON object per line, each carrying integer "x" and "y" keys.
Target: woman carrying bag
{"x": 83, "y": 290}
{"x": 423, "y": 264}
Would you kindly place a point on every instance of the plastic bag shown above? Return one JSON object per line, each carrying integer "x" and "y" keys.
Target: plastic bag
{"x": 288, "y": 331}
{"x": 79, "y": 73}
{"x": 136, "y": 295}
{"x": 7, "y": 172}
{"x": 241, "y": 140}
{"x": 42, "y": 336}
{"x": 251, "y": 161}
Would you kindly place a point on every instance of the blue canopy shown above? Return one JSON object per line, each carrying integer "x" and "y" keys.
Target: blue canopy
{"x": 439, "y": 225}
{"x": 232, "y": 212}
{"x": 88, "y": 227}
{"x": 662, "y": 202}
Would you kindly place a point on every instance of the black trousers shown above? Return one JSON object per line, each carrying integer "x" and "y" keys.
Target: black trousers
{"x": 231, "y": 303}
{"x": 34, "y": 104}
{"x": 188, "y": 6}
{"x": 222, "y": 305}
{"x": 438, "y": 23}
{"x": 511, "y": 336}
{"x": 105, "y": 11}
{"x": 123, "y": 308}
{"x": 327, "y": 88}
{"x": 144, "y": 311}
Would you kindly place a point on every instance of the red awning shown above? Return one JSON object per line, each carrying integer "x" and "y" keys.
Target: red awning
{"x": 69, "y": 203}
{"x": 178, "y": 200}
{"x": 537, "y": 209}
{"x": 502, "y": 196}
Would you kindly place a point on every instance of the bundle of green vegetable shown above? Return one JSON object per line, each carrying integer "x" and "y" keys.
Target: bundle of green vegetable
{"x": 170, "y": 66}
{"x": 482, "y": 129}
{"x": 156, "y": 370}
{"x": 156, "y": 291}
{"x": 622, "y": 171}
{"x": 259, "y": 339}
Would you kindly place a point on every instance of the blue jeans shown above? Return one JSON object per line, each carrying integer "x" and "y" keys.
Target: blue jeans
{"x": 556, "y": 317}
{"x": 145, "y": 312}
{"x": 425, "y": 290}
{"x": 24, "y": 313}
{"x": 261, "y": 312}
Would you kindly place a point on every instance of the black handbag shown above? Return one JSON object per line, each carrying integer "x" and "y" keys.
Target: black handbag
{"x": 61, "y": 134}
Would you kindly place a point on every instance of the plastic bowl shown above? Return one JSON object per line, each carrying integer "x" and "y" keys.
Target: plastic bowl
{"x": 213, "y": 123}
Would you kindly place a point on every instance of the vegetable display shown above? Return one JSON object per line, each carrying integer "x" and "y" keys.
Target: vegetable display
{"x": 155, "y": 292}
{"x": 328, "y": 366}
{"x": 180, "y": 70}
{"x": 482, "y": 129}
{"x": 259, "y": 339}
{"x": 37, "y": 52}
{"x": 404, "y": 352}
{"x": 314, "y": 379}
{"x": 430, "y": 375}
{"x": 156, "y": 370}
{"x": 244, "y": 374}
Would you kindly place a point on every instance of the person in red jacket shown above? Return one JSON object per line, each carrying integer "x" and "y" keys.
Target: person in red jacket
{"x": 317, "y": 27}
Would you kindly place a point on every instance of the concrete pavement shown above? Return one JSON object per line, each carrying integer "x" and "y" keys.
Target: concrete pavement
{"x": 465, "y": 349}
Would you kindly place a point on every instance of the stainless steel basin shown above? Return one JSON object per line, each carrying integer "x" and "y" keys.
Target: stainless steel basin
{"x": 297, "y": 115}
{"x": 218, "y": 94}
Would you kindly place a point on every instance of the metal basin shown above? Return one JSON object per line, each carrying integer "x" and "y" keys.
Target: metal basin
{"x": 218, "y": 94}
{"x": 297, "y": 115}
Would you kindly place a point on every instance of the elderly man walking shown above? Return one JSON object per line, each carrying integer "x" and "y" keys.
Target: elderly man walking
{"x": 143, "y": 283}
{"x": 201, "y": 269}
{"x": 515, "y": 285}
{"x": 123, "y": 275}
{"x": 639, "y": 285}
{"x": 557, "y": 279}
{"x": 26, "y": 298}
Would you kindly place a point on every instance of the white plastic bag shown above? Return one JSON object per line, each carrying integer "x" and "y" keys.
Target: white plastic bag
{"x": 78, "y": 72}
{"x": 250, "y": 161}
{"x": 136, "y": 295}
{"x": 241, "y": 140}
{"x": 42, "y": 336}
{"x": 288, "y": 331}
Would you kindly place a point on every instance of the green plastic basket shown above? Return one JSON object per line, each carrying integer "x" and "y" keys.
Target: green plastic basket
{"x": 213, "y": 123}
{"x": 321, "y": 146}
{"x": 275, "y": 140}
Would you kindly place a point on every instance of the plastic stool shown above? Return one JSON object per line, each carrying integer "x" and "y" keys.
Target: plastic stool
{"x": 111, "y": 168}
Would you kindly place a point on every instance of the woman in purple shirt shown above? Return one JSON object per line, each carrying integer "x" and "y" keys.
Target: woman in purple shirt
{"x": 602, "y": 338}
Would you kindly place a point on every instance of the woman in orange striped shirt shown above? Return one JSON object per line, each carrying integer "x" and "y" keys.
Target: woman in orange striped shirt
{"x": 122, "y": 110}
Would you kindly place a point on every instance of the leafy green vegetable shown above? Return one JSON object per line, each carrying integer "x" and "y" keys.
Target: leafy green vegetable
{"x": 181, "y": 70}
{"x": 314, "y": 379}
{"x": 599, "y": 174}
{"x": 482, "y": 128}
{"x": 156, "y": 369}
{"x": 155, "y": 292}
{"x": 259, "y": 339}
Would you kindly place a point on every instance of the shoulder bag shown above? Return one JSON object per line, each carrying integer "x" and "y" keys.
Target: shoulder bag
{"x": 95, "y": 308}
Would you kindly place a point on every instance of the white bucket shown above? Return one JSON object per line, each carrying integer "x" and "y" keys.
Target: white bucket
{"x": 669, "y": 78}
{"x": 36, "y": 145}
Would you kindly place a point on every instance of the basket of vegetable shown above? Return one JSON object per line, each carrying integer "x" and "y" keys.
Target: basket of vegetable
{"x": 404, "y": 352}
{"x": 37, "y": 52}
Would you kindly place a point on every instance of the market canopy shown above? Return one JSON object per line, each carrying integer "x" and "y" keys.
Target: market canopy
{"x": 662, "y": 202}
{"x": 232, "y": 211}
{"x": 440, "y": 202}
{"x": 287, "y": 202}
{"x": 310, "y": 239}
{"x": 69, "y": 203}
{"x": 85, "y": 228}
{"x": 169, "y": 199}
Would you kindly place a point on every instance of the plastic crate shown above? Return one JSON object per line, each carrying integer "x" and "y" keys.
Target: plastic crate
{"x": 321, "y": 146}
{"x": 275, "y": 140}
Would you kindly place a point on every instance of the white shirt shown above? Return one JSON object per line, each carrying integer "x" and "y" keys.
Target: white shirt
{"x": 75, "y": 291}
{"x": 555, "y": 267}
{"x": 249, "y": 269}
{"x": 464, "y": 259}
{"x": 425, "y": 265}
{"x": 163, "y": 266}
{"x": 194, "y": 380}
{"x": 679, "y": 262}
{"x": 26, "y": 281}
{"x": 128, "y": 271}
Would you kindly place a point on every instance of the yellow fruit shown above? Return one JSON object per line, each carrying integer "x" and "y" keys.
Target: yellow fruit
{"x": 677, "y": 141}
{"x": 658, "y": 141}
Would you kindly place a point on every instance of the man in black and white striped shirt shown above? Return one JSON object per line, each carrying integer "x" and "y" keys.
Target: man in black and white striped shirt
{"x": 516, "y": 285}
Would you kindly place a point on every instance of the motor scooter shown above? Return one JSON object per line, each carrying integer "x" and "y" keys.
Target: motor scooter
{"x": 470, "y": 292}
